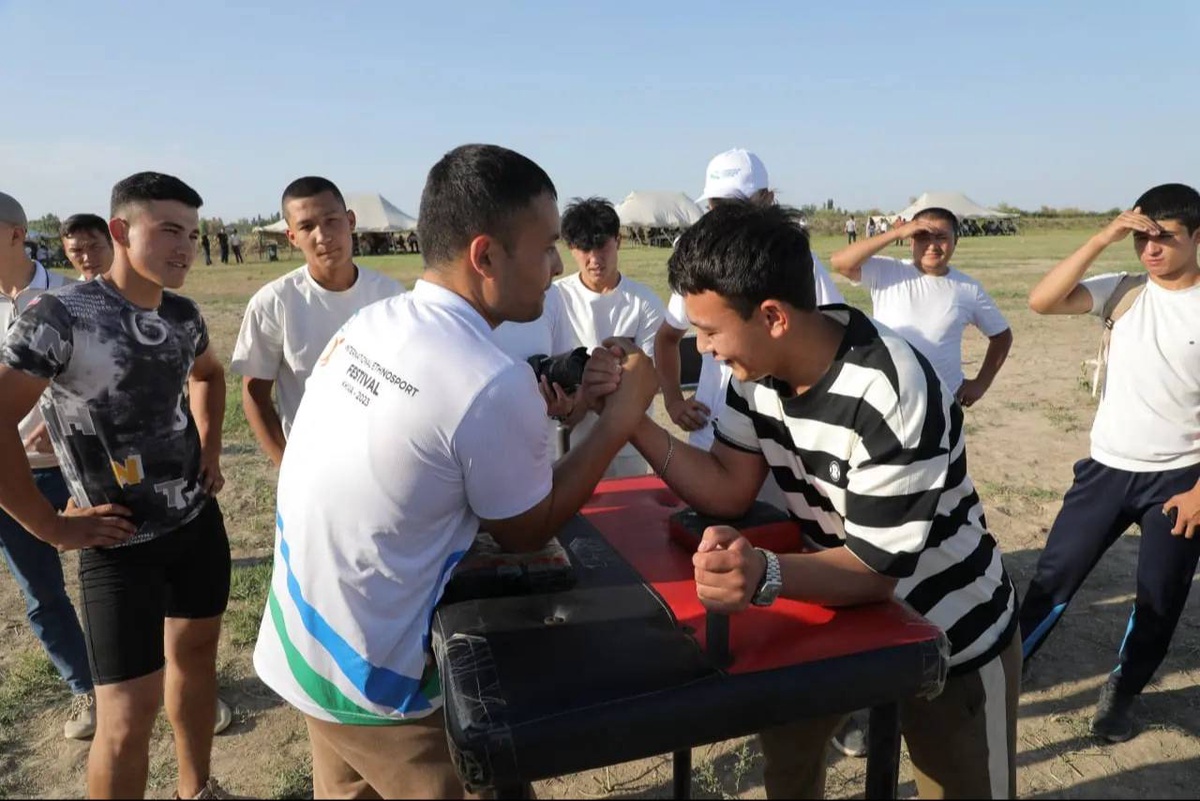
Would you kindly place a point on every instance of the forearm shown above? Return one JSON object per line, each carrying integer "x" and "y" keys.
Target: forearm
{"x": 19, "y": 495}
{"x": 578, "y": 472}
{"x": 997, "y": 352}
{"x": 1057, "y": 284}
{"x": 833, "y": 577}
{"x": 695, "y": 475}
{"x": 849, "y": 260}
{"x": 207, "y": 402}
{"x": 265, "y": 423}
{"x": 666, "y": 364}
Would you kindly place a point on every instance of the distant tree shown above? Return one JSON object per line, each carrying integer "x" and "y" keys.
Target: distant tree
{"x": 1008, "y": 208}
{"x": 48, "y": 224}
{"x": 829, "y": 204}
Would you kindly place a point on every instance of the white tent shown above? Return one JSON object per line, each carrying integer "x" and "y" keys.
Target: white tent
{"x": 658, "y": 210}
{"x": 962, "y": 206}
{"x": 374, "y": 214}
{"x": 277, "y": 227}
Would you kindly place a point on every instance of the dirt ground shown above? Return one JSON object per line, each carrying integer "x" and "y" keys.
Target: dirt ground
{"x": 1022, "y": 438}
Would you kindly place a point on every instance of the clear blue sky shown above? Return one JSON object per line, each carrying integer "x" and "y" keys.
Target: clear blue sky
{"x": 1061, "y": 103}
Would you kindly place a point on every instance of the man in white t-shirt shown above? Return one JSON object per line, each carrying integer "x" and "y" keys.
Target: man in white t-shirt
{"x": 929, "y": 302}
{"x": 417, "y": 432}
{"x": 733, "y": 175}
{"x": 1144, "y": 465}
{"x": 851, "y": 231}
{"x": 599, "y": 302}
{"x": 289, "y": 321}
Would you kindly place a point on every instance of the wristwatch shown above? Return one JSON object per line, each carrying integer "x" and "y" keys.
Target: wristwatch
{"x": 771, "y": 583}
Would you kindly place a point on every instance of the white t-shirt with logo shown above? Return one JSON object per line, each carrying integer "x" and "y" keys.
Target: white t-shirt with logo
{"x": 394, "y": 457}
{"x": 43, "y": 280}
{"x": 714, "y": 377}
{"x": 631, "y": 310}
{"x": 287, "y": 324}
{"x": 931, "y": 311}
{"x": 1149, "y": 415}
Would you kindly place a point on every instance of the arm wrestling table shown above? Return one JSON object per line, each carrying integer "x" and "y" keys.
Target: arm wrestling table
{"x": 618, "y": 666}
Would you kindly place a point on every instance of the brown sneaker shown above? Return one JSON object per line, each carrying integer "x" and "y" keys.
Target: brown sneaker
{"x": 82, "y": 723}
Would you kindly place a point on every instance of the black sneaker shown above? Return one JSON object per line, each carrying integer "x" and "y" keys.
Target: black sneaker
{"x": 851, "y": 736}
{"x": 1113, "y": 720}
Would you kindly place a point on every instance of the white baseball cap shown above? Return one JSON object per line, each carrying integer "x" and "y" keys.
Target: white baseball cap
{"x": 735, "y": 173}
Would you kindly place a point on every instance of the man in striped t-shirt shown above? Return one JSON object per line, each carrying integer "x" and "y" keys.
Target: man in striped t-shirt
{"x": 867, "y": 444}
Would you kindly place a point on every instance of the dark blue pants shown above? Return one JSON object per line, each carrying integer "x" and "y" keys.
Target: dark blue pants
{"x": 37, "y": 568}
{"x": 1097, "y": 509}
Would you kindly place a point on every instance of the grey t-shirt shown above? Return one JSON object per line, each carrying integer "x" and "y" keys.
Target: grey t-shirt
{"x": 117, "y": 407}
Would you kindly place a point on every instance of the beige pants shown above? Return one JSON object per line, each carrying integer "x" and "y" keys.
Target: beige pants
{"x": 409, "y": 760}
{"x": 963, "y": 743}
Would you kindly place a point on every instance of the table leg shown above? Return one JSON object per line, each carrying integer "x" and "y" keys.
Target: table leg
{"x": 681, "y": 770}
{"x": 883, "y": 751}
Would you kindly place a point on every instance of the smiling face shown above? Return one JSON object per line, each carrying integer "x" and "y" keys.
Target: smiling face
{"x": 932, "y": 250}
{"x": 159, "y": 238}
{"x": 321, "y": 227}
{"x": 1170, "y": 254}
{"x": 733, "y": 340}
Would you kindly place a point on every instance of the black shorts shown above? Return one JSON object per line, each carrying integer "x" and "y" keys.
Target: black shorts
{"x": 128, "y": 592}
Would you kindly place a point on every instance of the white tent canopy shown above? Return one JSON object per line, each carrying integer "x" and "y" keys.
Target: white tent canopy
{"x": 373, "y": 213}
{"x": 658, "y": 210}
{"x": 962, "y": 206}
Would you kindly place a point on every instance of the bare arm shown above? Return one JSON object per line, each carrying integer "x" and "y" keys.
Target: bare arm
{"x": 578, "y": 472}
{"x": 19, "y": 495}
{"x": 263, "y": 418}
{"x": 1059, "y": 291}
{"x": 206, "y": 391}
{"x": 687, "y": 413}
{"x": 998, "y": 347}
{"x": 722, "y": 482}
{"x": 729, "y": 570}
{"x": 849, "y": 260}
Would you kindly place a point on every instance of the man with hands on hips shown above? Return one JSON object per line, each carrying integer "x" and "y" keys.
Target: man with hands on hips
{"x": 866, "y": 443}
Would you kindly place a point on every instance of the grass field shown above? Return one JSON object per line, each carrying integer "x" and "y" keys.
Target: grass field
{"x": 1023, "y": 437}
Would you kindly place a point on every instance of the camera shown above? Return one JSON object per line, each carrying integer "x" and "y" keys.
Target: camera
{"x": 565, "y": 369}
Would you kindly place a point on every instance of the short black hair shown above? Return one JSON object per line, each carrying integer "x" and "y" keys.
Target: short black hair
{"x": 1178, "y": 202}
{"x": 746, "y": 253}
{"x": 474, "y": 190}
{"x": 939, "y": 213}
{"x": 143, "y": 186}
{"x": 589, "y": 224}
{"x": 309, "y": 186}
{"x": 78, "y": 223}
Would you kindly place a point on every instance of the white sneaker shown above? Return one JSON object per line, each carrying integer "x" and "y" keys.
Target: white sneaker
{"x": 224, "y": 717}
{"x": 211, "y": 790}
{"x": 82, "y": 723}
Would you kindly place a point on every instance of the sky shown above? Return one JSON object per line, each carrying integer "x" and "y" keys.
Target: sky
{"x": 1082, "y": 104}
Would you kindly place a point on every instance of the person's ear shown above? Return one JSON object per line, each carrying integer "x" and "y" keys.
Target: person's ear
{"x": 482, "y": 254}
{"x": 119, "y": 228}
{"x": 353, "y": 220}
{"x": 776, "y": 317}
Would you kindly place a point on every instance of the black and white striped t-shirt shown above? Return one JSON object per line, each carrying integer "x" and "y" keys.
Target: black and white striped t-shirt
{"x": 873, "y": 456}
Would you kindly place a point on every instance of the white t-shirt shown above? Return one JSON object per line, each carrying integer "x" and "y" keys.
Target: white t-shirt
{"x": 548, "y": 335}
{"x": 714, "y": 377}
{"x": 931, "y": 311}
{"x": 43, "y": 280}
{"x": 631, "y": 310}
{"x": 287, "y": 324}
{"x": 1149, "y": 415}
{"x": 395, "y": 456}
{"x": 850, "y": 226}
